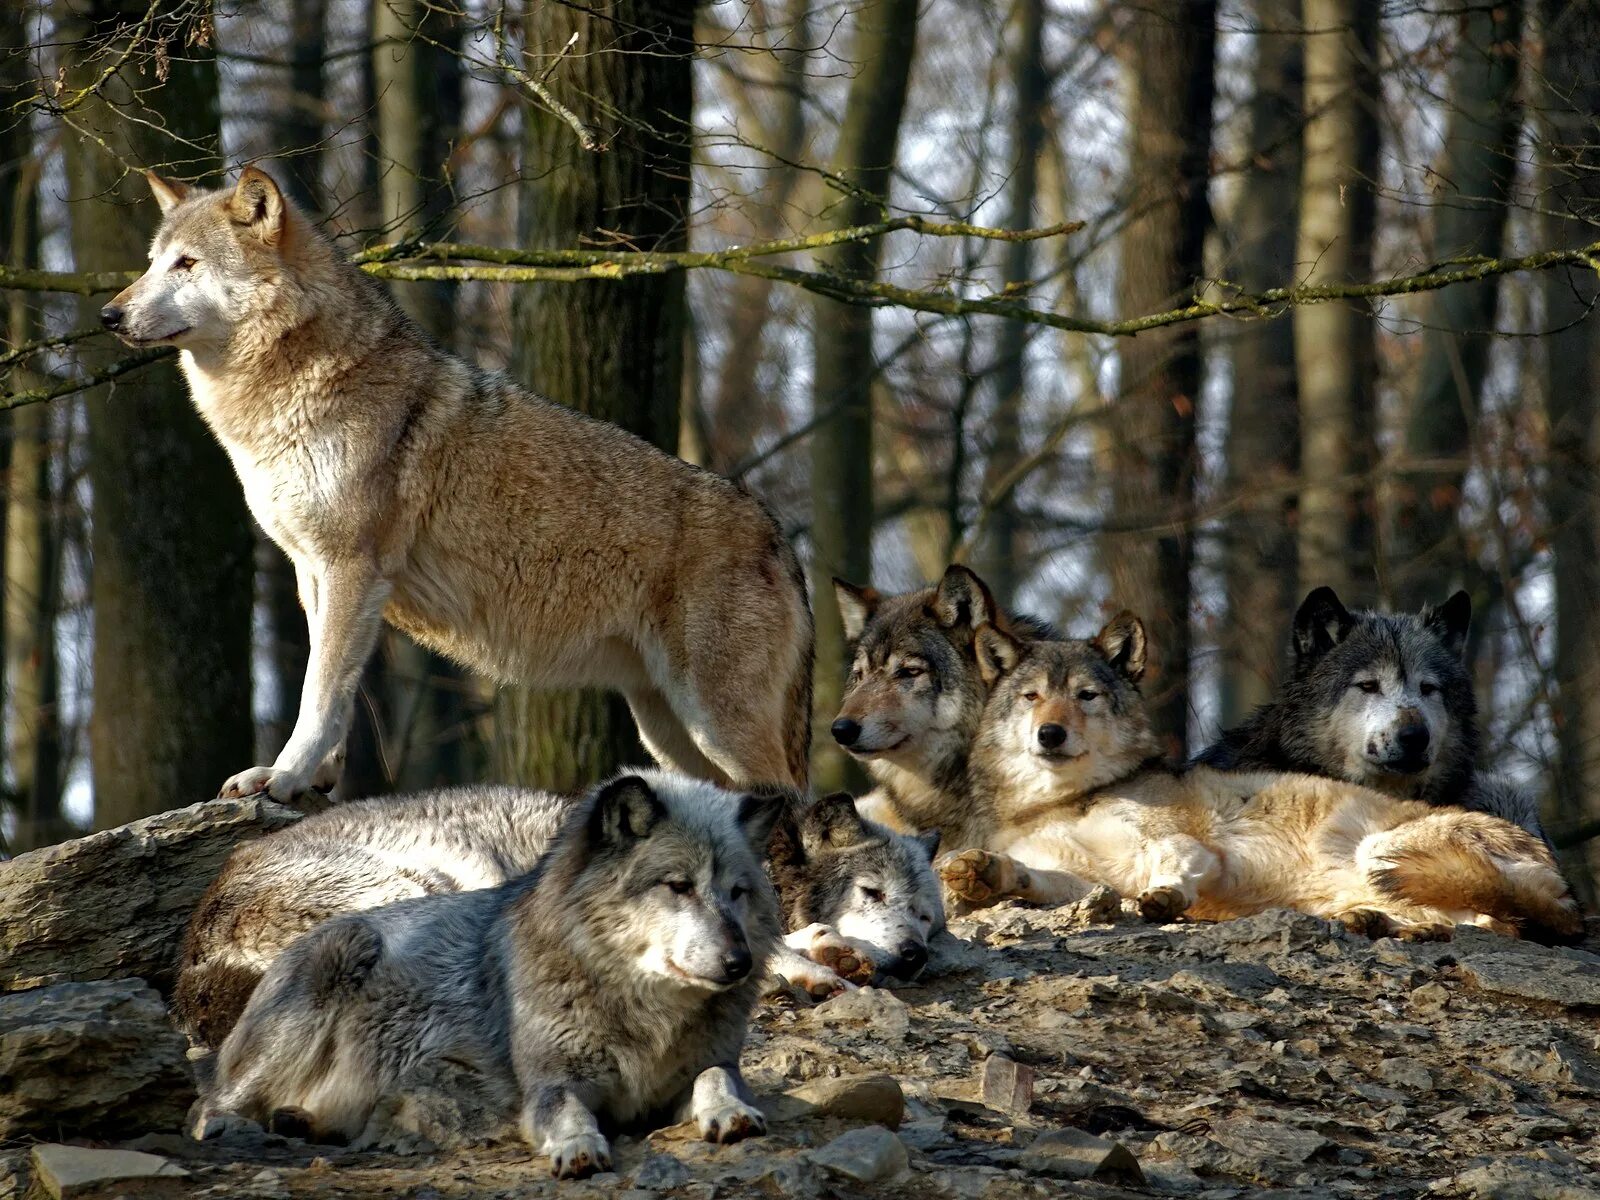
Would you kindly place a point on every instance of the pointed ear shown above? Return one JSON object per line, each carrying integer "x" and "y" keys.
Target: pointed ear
{"x": 258, "y": 205}
{"x": 759, "y": 812}
{"x": 1450, "y": 621}
{"x": 856, "y": 606}
{"x": 997, "y": 653}
{"x": 833, "y": 823}
{"x": 1124, "y": 644}
{"x": 169, "y": 193}
{"x": 962, "y": 600}
{"x": 929, "y": 841}
{"x": 625, "y": 810}
{"x": 1320, "y": 625}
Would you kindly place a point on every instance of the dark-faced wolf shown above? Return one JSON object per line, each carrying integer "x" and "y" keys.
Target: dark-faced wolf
{"x": 609, "y": 987}
{"x": 1380, "y": 699}
{"x": 523, "y": 539}
{"x": 1069, "y": 792}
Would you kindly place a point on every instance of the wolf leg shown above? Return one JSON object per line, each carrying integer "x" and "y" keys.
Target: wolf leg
{"x": 667, "y": 739}
{"x": 555, "y": 1122}
{"x": 350, "y": 595}
{"x": 979, "y": 877}
{"x": 813, "y": 978}
{"x": 721, "y": 1106}
{"x": 825, "y": 945}
{"x": 1180, "y": 867}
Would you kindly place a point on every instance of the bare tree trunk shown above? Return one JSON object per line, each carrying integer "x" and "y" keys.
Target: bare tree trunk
{"x": 1001, "y": 565}
{"x": 171, "y": 540}
{"x": 634, "y": 59}
{"x": 1263, "y": 423}
{"x": 1478, "y": 164}
{"x": 1571, "y": 195}
{"x": 844, "y": 367}
{"x": 1170, "y": 44}
{"x": 1334, "y": 348}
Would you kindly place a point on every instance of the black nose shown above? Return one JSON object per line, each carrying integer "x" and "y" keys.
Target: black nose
{"x": 909, "y": 960}
{"x": 111, "y": 317}
{"x": 735, "y": 964}
{"x": 846, "y": 731}
{"x": 1412, "y": 739}
{"x": 1052, "y": 737}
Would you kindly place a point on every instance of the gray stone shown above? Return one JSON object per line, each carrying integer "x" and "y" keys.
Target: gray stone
{"x": 873, "y": 1098}
{"x": 1268, "y": 1141}
{"x": 90, "y": 1058}
{"x": 1520, "y": 1179}
{"x": 660, "y": 1173}
{"x": 65, "y": 1171}
{"x": 1074, "y": 1154}
{"x": 883, "y": 1013}
{"x": 865, "y": 1155}
{"x": 1405, "y": 1073}
{"x": 1006, "y": 1084}
{"x": 113, "y": 905}
{"x": 1571, "y": 979}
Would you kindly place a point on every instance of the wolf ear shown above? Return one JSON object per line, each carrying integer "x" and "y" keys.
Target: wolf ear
{"x": 625, "y": 810}
{"x": 997, "y": 652}
{"x": 929, "y": 841}
{"x": 1124, "y": 644}
{"x": 962, "y": 600}
{"x": 258, "y": 205}
{"x": 1321, "y": 624}
{"x": 856, "y": 606}
{"x": 833, "y": 822}
{"x": 1450, "y": 621}
{"x": 169, "y": 193}
{"x": 761, "y": 810}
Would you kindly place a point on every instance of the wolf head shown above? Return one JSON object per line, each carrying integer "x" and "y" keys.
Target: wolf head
{"x": 914, "y": 694}
{"x": 1064, "y": 716}
{"x": 666, "y": 874}
{"x": 1382, "y": 699}
{"x": 218, "y": 262}
{"x": 871, "y": 885}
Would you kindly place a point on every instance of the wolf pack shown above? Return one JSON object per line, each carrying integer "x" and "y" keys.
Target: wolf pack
{"x": 488, "y": 962}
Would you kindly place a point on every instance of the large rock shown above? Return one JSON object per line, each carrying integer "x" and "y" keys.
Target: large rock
{"x": 113, "y": 905}
{"x": 90, "y": 1058}
{"x": 66, "y": 1171}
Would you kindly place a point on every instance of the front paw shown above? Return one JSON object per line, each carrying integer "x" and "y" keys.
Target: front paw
{"x": 976, "y": 876}
{"x": 1162, "y": 904}
{"x": 285, "y": 787}
{"x": 732, "y": 1121}
{"x": 579, "y": 1156}
{"x": 840, "y": 955}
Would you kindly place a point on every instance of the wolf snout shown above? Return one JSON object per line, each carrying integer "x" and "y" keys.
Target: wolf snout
{"x": 111, "y": 317}
{"x": 1052, "y": 737}
{"x": 909, "y": 959}
{"x": 736, "y": 964}
{"x": 1412, "y": 740}
{"x": 846, "y": 732}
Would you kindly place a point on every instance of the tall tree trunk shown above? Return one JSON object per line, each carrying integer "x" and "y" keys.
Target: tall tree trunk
{"x": 171, "y": 541}
{"x": 1571, "y": 195}
{"x": 610, "y": 349}
{"x": 1335, "y": 352}
{"x": 844, "y": 367}
{"x": 1263, "y": 424}
{"x": 1170, "y": 44}
{"x": 1001, "y": 550}
{"x": 1476, "y": 169}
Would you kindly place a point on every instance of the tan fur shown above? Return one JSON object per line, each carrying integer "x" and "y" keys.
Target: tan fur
{"x": 1215, "y": 845}
{"x": 511, "y": 534}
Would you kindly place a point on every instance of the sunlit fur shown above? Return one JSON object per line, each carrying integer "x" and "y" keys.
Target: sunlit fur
{"x": 915, "y": 691}
{"x": 512, "y": 534}
{"x": 610, "y": 986}
{"x": 1093, "y": 808}
{"x": 1380, "y": 699}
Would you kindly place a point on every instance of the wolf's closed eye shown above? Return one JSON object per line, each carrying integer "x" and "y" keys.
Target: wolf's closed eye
{"x": 678, "y": 887}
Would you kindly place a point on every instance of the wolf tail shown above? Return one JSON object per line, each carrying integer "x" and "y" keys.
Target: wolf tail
{"x": 340, "y": 960}
{"x": 1461, "y": 861}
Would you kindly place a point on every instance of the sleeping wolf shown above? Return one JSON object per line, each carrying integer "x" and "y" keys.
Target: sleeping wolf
{"x": 516, "y": 536}
{"x": 1379, "y": 699}
{"x": 1069, "y": 792}
{"x": 610, "y": 985}
{"x": 861, "y": 901}
{"x": 914, "y": 696}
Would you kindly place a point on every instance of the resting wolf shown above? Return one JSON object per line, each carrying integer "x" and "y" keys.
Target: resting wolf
{"x": 516, "y": 536}
{"x": 1069, "y": 792}
{"x": 1379, "y": 699}
{"x": 613, "y": 983}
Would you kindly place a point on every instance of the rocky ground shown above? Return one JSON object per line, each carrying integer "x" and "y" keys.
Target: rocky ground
{"x": 1075, "y": 1052}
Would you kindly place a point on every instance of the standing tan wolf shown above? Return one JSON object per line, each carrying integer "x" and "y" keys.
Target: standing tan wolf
{"x": 516, "y": 536}
{"x": 1069, "y": 790}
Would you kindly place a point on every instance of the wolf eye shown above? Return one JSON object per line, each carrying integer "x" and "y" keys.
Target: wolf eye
{"x": 1031, "y": 697}
{"x": 182, "y": 263}
{"x": 1430, "y": 689}
{"x": 1369, "y": 686}
{"x": 678, "y": 887}
{"x": 1088, "y": 694}
{"x": 872, "y": 894}
{"x": 738, "y": 892}
{"x": 908, "y": 673}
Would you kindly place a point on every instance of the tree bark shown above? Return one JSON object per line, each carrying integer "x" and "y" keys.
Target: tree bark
{"x": 171, "y": 541}
{"x": 844, "y": 366}
{"x": 1263, "y": 423}
{"x": 1476, "y": 170}
{"x": 1153, "y": 460}
{"x": 610, "y": 349}
{"x": 1335, "y": 352}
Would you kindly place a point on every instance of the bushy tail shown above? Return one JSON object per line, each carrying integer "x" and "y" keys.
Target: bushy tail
{"x": 1474, "y": 862}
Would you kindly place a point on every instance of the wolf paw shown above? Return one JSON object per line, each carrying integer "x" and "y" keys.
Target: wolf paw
{"x": 843, "y": 957}
{"x": 976, "y": 876}
{"x": 290, "y": 1122}
{"x": 733, "y": 1122}
{"x": 1162, "y": 904}
{"x": 1367, "y": 922}
{"x": 1433, "y": 931}
{"x": 282, "y": 786}
{"x": 577, "y": 1157}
